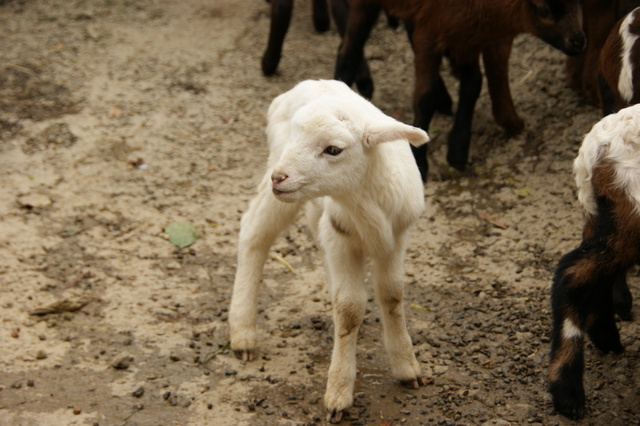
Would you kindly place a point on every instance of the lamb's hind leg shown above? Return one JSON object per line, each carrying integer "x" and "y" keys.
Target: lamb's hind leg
{"x": 388, "y": 276}
{"x": 264, "y": 220}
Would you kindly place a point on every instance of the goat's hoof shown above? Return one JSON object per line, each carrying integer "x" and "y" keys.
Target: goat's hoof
{"x": 245, "y": 354}
{"x": 270, "y": 63}
{"x": 334, "y": 416}
{"x": 413, "y": 383}
{"x": 365, "y": 87}
{"x": 568, "y": 399}
{"x": 513, "y": 128}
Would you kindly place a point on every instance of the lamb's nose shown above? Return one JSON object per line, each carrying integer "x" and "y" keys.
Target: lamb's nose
{"x": 277, "y": 177}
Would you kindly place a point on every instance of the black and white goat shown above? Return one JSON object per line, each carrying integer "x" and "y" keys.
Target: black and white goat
{"x": 589, "y": 286}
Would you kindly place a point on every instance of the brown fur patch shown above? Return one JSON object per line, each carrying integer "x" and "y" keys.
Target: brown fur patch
{"x": 349, "y": 318}
{"x": 566, "y": 353}
{"x": 624, "y": 243}
{"x": 581, "y": 271}
{"x": 337, "y": 226}
{"x": 569, "y": 348}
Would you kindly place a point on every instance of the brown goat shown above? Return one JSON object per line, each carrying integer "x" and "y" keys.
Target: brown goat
{"x": 620, "y": 55}
{"x": 600, "y": 16}
{"x": 462, "y": 30}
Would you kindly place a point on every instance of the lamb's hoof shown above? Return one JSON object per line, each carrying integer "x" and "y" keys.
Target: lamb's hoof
{"x": 413, "y": 383}
{"x": 334, "y": 416}
{"x": 245, "y": 354}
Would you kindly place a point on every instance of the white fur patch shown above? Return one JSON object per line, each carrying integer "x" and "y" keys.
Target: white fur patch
{"x": 615, "y": 138}
{"x": 625, "y": 82}
{"x": 570, "y": 330}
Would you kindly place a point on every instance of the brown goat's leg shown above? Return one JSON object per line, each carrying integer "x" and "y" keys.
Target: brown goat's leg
{"x": 425, "y": 99}
{"x": 622, "y": 300}
{"x": 496, "y": 67}
{"x": 320, "y": 15}
{"x": 567, "y": 341}
{"x": 460, "y": 135}
{"x": 607, "y": 98}
{"x": 349, "y": 68}
{"x": 363, "y": 80}
{"x": 280, "y": 18}
{"x": 444, "y": 104}
{"x": 582, "y": 304}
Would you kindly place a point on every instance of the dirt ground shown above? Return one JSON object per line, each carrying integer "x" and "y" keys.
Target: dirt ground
{"x": 119, "y": 117}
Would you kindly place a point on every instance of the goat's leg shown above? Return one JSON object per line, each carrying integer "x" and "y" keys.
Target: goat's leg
{"x": 320, "y": 15}
{"x": 622, "y": 299}
{"x": 264, "y": 220}
{"x": 425, "y": 98}
{"x": 582, "y": 304}
{"x": 350, "y": 61}
{"x": 460, "y": 135}
{"x": 346, "y": 275}
{"x": 607, "y": 99}
{"x": 363, "y": 80}
{"x": 444, "y": 104}
{"x": 567, "y": 342}
{"x": 496, "y": 67}
{"x": 388, "y": 274}
{"x": 280, "y": 18}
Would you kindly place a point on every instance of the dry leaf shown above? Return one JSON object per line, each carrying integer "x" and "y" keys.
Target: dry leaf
{"x": 64, "y": 305}
{"x": 495, "y": 222}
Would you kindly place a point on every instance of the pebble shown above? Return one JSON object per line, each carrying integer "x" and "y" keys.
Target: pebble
{"x": 34, "y": 201}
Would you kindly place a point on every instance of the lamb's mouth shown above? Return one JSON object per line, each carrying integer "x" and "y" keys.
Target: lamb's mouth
{"x": 287, "y": 196}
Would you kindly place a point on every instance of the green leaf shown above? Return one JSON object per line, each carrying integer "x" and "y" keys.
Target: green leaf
{"x": 524, "y": 192}
{"x": 181, "y": 234}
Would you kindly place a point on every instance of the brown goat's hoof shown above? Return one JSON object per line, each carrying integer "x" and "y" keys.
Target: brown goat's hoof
{"x": 270, "y": 63}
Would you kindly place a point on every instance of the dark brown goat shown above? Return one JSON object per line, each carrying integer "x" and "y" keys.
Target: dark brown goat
{"x": 620, "y": 55}
{"x": 589, "y": 286}
{"x": 462, "y": 30}
{"x": 281, "y": 11}
{"x": 600, "y": 16}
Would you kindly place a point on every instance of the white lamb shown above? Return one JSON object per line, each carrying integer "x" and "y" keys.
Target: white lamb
{"x": 352, "y": 163}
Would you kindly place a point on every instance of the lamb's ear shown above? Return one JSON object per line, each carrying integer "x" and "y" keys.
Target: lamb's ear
{"x": 392, "y": 130}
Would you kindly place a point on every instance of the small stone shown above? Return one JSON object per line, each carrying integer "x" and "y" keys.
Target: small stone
{"x": 138, "y": 392}
{"x": 34, "y": 201}
{"x": 77, "y": 410}
{"x": 122, "y": 363}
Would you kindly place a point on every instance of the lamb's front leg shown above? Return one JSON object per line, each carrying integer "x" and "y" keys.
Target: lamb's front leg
{"x": 264, "y": 220}
{"x": 388, "y": 275}
{"x": 349, "y": 298}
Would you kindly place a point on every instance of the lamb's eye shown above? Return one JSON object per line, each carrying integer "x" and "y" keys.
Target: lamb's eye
{"x": 332, "y": 150}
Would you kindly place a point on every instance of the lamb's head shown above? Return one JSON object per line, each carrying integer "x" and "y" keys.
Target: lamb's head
{"x": 330, "y": 145}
